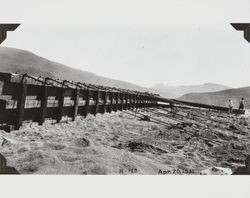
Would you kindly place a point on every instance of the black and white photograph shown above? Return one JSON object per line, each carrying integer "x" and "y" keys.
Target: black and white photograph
{"x": 83, "y": 97}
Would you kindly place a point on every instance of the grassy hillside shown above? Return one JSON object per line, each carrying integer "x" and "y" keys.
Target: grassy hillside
{"x": 220, "y": 97}
{"x": 21, "y": 61}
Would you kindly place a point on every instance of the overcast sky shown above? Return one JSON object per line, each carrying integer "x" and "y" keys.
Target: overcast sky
{"x": 182, "y": 51}
{"x": 144, "y": 54}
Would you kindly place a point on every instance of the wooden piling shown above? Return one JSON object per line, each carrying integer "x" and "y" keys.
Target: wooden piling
{"x": 76, "y": 101}
{"x": 111, "y": 97}
{"x": 117, "y": 95}
{"x": 126, "y": 101}
{"x": 130, "y": 101}
{"x": 87, "y": 96}
{"x": 20, "y": 105}
{"x": 106, "y": 94}
{"x": 60, "y": 97}
{"x": 150, "y": 101}
{"x": 44, "y": 101}
{"x": 134, "y": 101}
{"x": 97, "y": 102}
{"x": 122, "y": 100}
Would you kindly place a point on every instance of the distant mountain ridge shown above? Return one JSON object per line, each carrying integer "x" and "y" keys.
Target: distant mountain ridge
{"x": 220, "y": 98}
{"x": 21, "y": 61}
{"x": 178, "y": 91}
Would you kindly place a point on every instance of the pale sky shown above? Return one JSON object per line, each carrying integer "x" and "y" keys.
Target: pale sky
{"x": 194, "y": 47}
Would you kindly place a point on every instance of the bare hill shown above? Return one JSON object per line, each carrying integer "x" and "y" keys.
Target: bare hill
{"x": 220, "y": 97}
{"x": 178, "y": 91}
{"x": 117, "y": 143}
{"x": 21, "y": 61}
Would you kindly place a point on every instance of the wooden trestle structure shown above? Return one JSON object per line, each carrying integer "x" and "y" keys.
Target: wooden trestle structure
{"x": 29, "y": 98}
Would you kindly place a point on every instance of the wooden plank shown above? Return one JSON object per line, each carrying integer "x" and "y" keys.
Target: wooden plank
{"x": 20, "y": 105}
{"x": 193, "y": 104}
{"x": 76, "y": 101}
{"x": 44, "y": 101}
{"x": 86, "y": 111}
{"x": 60, "y": 104}
{"x": 97, "y": 96}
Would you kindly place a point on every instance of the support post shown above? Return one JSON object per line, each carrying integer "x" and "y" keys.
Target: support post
{"x": 105, "y": 102}
{"x": 60, "y": 104}
{"x": 111, "y": 97}
{"x": 126, "y": 101}
{"x": 20, "y": 105}
{"x": 122, "y": 101}
{"x": 44, "y": 101}
{"x": 85, "y": 113}
{"x": 143, "y": 101}
{"x": 134, "y": 102}
{"x": 97, "y": 102}
{"x": 117, "y": 100}
{"x": 76, "y": 101}
{"x": 155, "y": 102}
{"x": 139, "y": 101}
{"x": 130, "y": 101}
{"x": 146, "y": 101}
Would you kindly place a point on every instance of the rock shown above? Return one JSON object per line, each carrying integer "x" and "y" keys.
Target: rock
{"x": 238, "y": 145}
{"x": 209, "y": 143}
{"x": 187, "y": 137}
{"x": 5, "y": 142}
{"x": 184, "y": 124}
{"x": 154, "y": 127}
{"x": 244, "y": 170}
{"x": 216, "y": 171}
{"x": 180, "y": 146}
{"x": 145, "y": 118}
{"x": 232, "y": 127}
{"x": 143, "y": 147}
{"x": 236, "y": 160}
{"x": 82, "y": 142}
{"x": 22, "y": 150}
{"x": 197, "y": 133}
{"x": 4, "y": 169}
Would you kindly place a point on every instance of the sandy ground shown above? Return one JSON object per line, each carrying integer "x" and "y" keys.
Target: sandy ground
{"x": 185, "y": 142}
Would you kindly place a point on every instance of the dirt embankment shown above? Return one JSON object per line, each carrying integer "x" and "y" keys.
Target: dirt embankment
{"x": 182, "y": 141}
